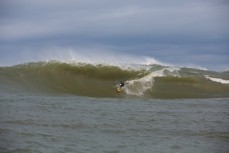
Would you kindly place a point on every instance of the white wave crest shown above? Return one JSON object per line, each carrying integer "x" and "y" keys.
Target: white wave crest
{"x": 139, "y": 86}
{"x": 219, "y": 80}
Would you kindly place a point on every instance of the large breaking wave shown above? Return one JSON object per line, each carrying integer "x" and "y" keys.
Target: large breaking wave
{"x": 100, "y": 80}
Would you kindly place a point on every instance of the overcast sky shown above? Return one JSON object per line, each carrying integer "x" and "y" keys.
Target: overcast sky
{"x": 179, "y": 32}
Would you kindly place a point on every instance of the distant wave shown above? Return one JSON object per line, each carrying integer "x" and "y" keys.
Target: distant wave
{"x": 100, "y": 80}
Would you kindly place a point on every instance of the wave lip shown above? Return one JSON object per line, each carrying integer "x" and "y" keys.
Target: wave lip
{"x": 100, "y": 80}
{"x": 219, "y": 80}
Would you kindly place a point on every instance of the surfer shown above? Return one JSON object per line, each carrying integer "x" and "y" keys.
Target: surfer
{"x": 121, "y": 84}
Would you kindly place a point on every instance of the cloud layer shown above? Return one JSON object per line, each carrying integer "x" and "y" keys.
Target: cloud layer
{"x": 176, "y": 31}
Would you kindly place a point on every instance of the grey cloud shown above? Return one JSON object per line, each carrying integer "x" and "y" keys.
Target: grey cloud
{"x": 100, "y": 17}
{"x": 150, "y": 27}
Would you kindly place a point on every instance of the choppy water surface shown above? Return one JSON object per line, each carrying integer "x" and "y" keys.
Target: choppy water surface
{"x": 47, "y": 124}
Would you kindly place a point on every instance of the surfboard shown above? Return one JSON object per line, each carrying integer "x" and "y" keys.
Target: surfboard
{"x": 118, "y": 89}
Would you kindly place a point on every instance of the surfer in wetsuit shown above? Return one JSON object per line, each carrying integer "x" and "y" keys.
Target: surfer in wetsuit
{"x": 121, "y": 84}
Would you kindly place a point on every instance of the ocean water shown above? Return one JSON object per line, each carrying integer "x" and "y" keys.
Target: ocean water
{"x": 56, "y": 107}
{"x": 101, "y": 80}
{"x": 74, "y": 124}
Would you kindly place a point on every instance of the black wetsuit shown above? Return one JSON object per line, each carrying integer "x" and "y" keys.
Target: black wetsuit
{"x": 121, "y": 84}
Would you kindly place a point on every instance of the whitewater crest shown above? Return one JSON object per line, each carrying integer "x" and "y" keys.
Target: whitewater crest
{"x": 139, "y": 86}
{"x": 219, "y": 80}
{"x": 100, "y": 80}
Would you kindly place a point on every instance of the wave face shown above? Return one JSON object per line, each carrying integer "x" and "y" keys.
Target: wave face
{"x": 147, "y": 81}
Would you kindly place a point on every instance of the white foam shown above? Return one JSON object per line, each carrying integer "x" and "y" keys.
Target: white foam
{"x": 219, "y": 80}
{"x": 139, "y": 86}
